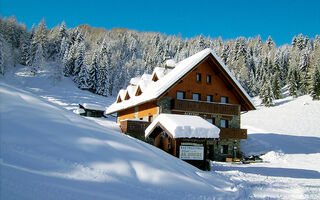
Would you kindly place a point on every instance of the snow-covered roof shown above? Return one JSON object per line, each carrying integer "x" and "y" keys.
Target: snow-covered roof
{"x": 131, "y": 89}
{"x": 163, "y": 84}
{"x": 170, "y": 63}
{"x": 79, "y": 111}
{"x": 135, "y": 81}
{"x": 121, "y": 94}
{"x": 92, "y": 106}
{"x": 184, "y": 126}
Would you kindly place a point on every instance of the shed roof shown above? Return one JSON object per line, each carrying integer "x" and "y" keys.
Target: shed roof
{"x": 157, "y": 89}
{"x": 183, "y": 126}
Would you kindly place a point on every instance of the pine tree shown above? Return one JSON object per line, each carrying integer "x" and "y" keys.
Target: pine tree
{"x": 294, "y": 83}
{"x": 83, "y": 77}
{"x": 38, "y": 47}
{"x": 267, "y": 95}
{"x": 93, "y": 72}
{"x": 315, "y": 89}
{"x": 276, "y": 90}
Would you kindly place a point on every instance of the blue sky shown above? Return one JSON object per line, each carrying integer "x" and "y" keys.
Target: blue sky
{"x": 282, "y": 19}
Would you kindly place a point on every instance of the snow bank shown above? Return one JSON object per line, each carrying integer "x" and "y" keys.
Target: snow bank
{"x": 184, "y": 126}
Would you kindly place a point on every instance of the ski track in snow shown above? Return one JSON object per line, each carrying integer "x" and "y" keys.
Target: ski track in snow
{"x": 287, "y": 135}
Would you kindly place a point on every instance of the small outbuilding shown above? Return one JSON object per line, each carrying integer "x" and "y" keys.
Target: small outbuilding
{"x": 91, "y": 110}
{"x": 183, "y": 136}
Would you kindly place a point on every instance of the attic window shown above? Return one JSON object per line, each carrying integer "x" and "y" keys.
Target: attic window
{"x": 208, "y": 79}
{"x": 127, "y": 97}
{"x": 198, "y": 77}
{"x": 119, "y": 100}
{"x": 155, "y": 78}
{"x": 139, "y": 92}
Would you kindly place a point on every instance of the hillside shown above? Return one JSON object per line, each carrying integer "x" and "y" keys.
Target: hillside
{"x": 49, "y": 152}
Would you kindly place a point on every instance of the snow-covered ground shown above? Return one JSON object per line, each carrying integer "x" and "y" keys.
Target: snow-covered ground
{"x": 288, "y": 136}
{"x": 49, "y": 152}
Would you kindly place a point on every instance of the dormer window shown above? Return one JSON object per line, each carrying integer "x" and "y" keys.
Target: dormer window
{"x": 139, "y": 92}
{"x": 127, "y": 97}
{"x": 198, "y": 77}
{"x": 119, "y": 99}
{"x": 155, "y": 78}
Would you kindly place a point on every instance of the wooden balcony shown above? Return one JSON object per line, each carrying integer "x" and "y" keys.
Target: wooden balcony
{"x": 233, "y": 133}
{"x": 205, "y": 107}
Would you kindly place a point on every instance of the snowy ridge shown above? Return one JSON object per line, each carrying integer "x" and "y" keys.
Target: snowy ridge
{"x": 158, "y": 88}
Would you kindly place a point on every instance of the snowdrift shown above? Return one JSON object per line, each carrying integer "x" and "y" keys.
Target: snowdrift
{"x": 48, "y": 152}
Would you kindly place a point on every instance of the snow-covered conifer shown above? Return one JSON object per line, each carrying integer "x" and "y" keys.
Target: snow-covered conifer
{"x": 315, "y": 89}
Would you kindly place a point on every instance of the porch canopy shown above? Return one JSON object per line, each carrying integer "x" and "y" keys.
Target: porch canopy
{"x": 182, "y": 126}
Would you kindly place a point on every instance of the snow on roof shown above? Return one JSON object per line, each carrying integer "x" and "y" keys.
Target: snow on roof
{"x": 184, "y": 126}
{"x": 79, "y": 111}
{"x": 92, "y": 106}
{"x": 121, "y": 94}
{"x": 146, "y": 77}
{"x": 132, "y": 90}
{"x": 170, "y": 63}
{"x": 135, "y": 80}
{"x": 144, "y": 84}
{"x": 160, "y": 72}
{"x": 163, "y": 84}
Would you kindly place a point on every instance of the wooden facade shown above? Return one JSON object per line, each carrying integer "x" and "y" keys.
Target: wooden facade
{"x": 206, "y": 90}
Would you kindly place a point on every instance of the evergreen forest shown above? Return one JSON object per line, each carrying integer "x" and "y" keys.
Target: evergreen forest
{"x": 103, "y": 61}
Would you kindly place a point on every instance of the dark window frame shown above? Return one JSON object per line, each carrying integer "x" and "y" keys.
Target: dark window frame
{"x": 224, "y": 149}
{"x": 199, "y": 96}
{"x": 209, "y": 79}
{"x": 226, "y": 125}
{"x": 211, "y": 98}
{"x": 198, "y": 77}
{"x": 183, "y": 95}
{"x": 226, "y": 99}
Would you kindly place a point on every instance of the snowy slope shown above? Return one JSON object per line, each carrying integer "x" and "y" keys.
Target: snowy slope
{"x": 49, "y": 152}
{"x": 288, "y": 135}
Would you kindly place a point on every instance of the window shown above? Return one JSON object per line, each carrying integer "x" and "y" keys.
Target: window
{"x": 198, "y": 77}
{"x": 224, "y": 149}
{"x": 224, "y": 100}
{"x": 196, "y": 96}
{"x": 150, "y": 118}
{"x": 211, "y": 120}
{"x": 208, "y": 79}
{"x": 181, "y": 95}
{"x": 224, "y": 123}
{"x": 209, "y": 98}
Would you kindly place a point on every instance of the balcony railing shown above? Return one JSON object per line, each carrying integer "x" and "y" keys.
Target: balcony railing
{"x": 233, "y": 133}
{"x": 205, "y": 107}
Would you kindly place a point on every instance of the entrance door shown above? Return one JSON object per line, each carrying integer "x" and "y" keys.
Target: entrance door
{"x": 211, "y": 152}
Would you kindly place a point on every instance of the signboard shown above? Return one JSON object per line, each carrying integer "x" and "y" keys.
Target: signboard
{"x": 191, "y": 152}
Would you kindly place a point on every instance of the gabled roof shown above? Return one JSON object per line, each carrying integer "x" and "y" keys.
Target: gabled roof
{"x": 157, "y": 89}
{"x": 183, "y": 126}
